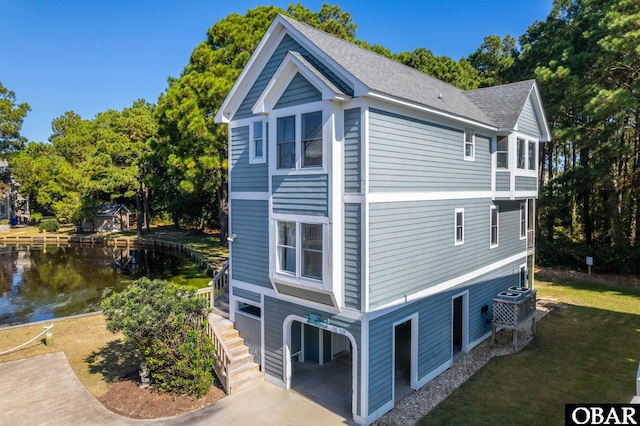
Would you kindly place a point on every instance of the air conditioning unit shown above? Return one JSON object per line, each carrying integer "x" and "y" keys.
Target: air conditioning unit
{"x": 513, "y": 296}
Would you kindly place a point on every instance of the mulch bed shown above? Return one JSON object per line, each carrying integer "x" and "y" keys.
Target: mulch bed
{"x": 128, "y": 399}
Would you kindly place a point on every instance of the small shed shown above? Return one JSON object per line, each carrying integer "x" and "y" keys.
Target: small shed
{"x": 108, "y": 218}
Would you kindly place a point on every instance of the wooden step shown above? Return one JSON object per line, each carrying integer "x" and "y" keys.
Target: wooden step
{"x": 246, "y": 381}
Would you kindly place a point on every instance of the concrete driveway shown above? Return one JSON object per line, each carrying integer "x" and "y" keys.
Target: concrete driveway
{"x": 44, "y": 390}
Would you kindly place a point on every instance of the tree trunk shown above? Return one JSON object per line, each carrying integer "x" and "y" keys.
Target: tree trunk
{"x": 223, "y": 211}
{"x": 140, "y": 211}
{"x": 586, "y": 199}
{"x": 146, "y": 202}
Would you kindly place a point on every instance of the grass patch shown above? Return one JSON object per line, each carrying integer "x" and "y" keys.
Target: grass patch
{"x": 586, "y": 352}
{"x": 97, "y": 356}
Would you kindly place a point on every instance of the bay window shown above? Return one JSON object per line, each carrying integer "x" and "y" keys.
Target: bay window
{"x": 300, "y": 249}
{"x": 503, "y": 152}
{"x": 520, "y": 153}
{"x": 532, "y": 155}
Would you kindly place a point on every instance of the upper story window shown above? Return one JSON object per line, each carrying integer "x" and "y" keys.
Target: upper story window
{"x": 503, "y": 152}
{"x": 304, "y": 140}
{"x": 521, "y": 153}
{"x": 307, "y": 261}
{"x": 459, "y": 227}
{"x": 532, "y": 155}
{"x": 312, "y": 139}
{"x": 257, "y": 148}
{"x": 469, "y": 144}
{"x": 286, "y": 142}
{"x": 493, "y": 227}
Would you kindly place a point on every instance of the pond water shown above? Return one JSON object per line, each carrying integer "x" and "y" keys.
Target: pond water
{"x": 40, "y": 283}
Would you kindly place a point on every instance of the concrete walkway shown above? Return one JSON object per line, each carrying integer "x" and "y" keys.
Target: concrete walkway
{"x": 44, "y": 390}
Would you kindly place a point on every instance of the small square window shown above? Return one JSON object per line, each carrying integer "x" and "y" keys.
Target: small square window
{"x": 459, "y": 227}
{"x": 503, "y": 152}
{"x": 469, "y": 144}
{"x": 493, "y": 228}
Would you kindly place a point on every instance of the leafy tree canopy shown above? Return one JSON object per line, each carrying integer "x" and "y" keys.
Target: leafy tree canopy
{"x": 11, "y": 116}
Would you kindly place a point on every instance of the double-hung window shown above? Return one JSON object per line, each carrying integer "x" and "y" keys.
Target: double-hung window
{"x": 459, "y": 227}
{"x": 503, "y": 152}
{"x": 469, "y": 144}
{"x": 286, "y": 142}
{"x": 312, "y": 139}
{"x": 300, "y": 249}
{"x": 257, "y": 148}
{"x": 493, "y": 227}
{"x": 304, "y": 140}
{"x": 532, "y": 155}
{"x": 521, "y": 153}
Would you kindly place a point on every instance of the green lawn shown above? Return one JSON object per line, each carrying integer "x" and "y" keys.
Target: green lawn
{"x": 586, "y": 352}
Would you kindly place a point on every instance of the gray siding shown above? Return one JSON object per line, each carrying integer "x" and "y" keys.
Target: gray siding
{"x": 412, "y": 244}
{"x": 409, "y": 155}
{"x": 503, "y": 181}
{"x": 524, "y": 183}
{"x": 527, "y": 122}
{"x": 274, "y": 313}
{"x": 270, "y": 68}
{"x": 246, "y": 294}
{"x": 352, "y": 150}
{"x": 245, "y": 176}
{"x": 299, "y": 91}
{"x": 301, "y": 194}
{"x": 352, "y": 255}
{"x": 250, "y": 330}
{"x": 250, "y": 250}
{"x": 434, "y": 330}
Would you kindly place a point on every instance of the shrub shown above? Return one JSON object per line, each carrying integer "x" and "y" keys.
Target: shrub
{"x": 167, "y": 325}
{"x": 50, "y": 225}
{"x": 4, "y": 222}
{"x": 36, "y": 217}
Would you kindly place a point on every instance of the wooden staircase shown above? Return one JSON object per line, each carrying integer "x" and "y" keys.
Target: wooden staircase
{"x": 234, "y": 364}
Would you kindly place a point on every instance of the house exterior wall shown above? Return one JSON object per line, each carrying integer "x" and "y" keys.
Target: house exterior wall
{"x": 412, "y": 244}
{"x": 525, "y": 183}
{"x": 528, "y": 124}
{"x": 503, "y": 181}
{"x": 245, "y": 177}
{"x": 301, "y": 194}
{"x": 434, "y": 331}
{"x": 407, "y": 154}
{"x": 352, "y": 150}
{"x": 250, "y": 251}
{"x": 353, "y": 255}
{"x": 286, "y": 44}
{"x": 299, "y": 91}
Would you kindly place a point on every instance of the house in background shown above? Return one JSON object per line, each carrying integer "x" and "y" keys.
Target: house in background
{"x": 13, "y": 206}
{"x": 108, "y": 218}
{"x": 377, "y": 212}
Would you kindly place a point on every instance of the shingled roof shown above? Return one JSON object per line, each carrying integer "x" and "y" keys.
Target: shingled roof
{"x": 503, "y": 104}
{"x": 386, "y": 76}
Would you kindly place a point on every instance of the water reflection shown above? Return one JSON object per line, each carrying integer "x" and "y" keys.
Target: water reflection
{"x": 39, "y": 283}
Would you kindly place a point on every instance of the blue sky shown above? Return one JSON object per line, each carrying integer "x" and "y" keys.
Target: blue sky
{"x": 91, "y": 56}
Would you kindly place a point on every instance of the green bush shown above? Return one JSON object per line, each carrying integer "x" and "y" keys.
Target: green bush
{"x": 4, "y": 222}
{"x": 167, "y": 325}
{"x": 50, "y": 225}
{"x": 36, "y": 217}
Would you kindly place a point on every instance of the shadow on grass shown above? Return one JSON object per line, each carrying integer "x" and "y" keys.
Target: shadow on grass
{"x": 116, "y": 361}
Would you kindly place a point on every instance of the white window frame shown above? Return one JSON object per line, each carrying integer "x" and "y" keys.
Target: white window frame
{"x": 491, "y": 225}
{"x": 468, "y": 132}
{"x": 534, "y": 157}
{"x": 253, "y": 158}
{"x": 298, "y": 278}
{"x": 523, "y": 220}
{"x": 521, "y": 143}
{"x": 298, "y": 111}
{"x": 457, "y": 242}
{"x": 506, "y": 153}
